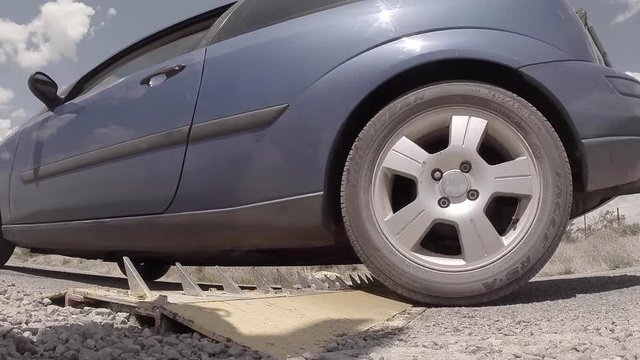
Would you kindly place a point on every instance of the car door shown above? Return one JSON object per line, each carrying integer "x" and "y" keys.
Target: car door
{"x": 117, "y": 149}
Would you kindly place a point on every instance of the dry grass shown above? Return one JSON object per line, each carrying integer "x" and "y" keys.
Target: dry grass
{"x": 602, "y": 251}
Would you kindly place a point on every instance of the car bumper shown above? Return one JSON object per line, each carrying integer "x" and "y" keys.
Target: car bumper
{"x": 604, "y": 106}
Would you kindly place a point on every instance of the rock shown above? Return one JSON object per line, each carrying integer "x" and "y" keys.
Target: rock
{"x": 171, "y": 354}
{"x": 5, "y": 329}
{"x": 311, "y": 356}
{"x": 211, "y": 348}
{"x": 60, "y": 349}
{"x": 24, "y": 346}
{"x": 235, "y": 350}
{"x": 45, "y": 302}
{"x": 71, "y": 355}
{"x": 146, "y": 333}
{"x": 332, "y": 346}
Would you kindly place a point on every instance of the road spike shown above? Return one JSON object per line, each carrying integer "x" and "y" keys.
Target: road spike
{"x": 137, "y": 287}
{"x": 319, "y": 285}
{"x": 227, "y": 284}
{"x": 331, "y": 284}
{"x": 261, "y": 283}
{"x": 286, "y": 285}
{"x": 363, "y": 280}
{"x": 341, "y": 283}
{"x": 354, "y": 282}
{"x": 370, "y": 278}
{"x": 188, "y": 286}
{"x": 304, "y": 281}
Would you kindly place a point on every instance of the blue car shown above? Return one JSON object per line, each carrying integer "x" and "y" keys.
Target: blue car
{"x": 444, "y": 144}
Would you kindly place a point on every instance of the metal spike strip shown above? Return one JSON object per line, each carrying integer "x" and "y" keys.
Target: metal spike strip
{"x": 286, "y": 285}
{"x": 341, "y": 283}
{"x": 261, "y": 283}
{"x": 137, "y": 286}
{"x": 363, "y": 280}
{"x": 370, "y": 278}
{"x": 227, "y": 284}
{"x": 331, "y": 284}
{"x": 188, "y": 286}
{"x": 354, "y": 282}
{"x": 304, "y": 281}
{"x": 319, "y": 285}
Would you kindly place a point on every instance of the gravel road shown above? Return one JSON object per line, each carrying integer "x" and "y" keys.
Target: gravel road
{"x": 568, "y": 317}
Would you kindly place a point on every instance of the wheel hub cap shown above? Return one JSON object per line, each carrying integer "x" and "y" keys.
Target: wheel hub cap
{"x": 454, "y": 184}
{"x": 441, "y": 217}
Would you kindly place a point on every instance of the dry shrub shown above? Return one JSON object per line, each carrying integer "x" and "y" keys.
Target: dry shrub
{"x": 602, "y": 251}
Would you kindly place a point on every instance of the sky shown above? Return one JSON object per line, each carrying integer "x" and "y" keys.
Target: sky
{"x": 67, "y": 38}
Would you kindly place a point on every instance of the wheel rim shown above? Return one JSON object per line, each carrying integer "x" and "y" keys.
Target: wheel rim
{"x": 456, "y": 189}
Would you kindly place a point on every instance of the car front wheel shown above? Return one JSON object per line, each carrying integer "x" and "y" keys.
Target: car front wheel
{"x": 456, "y": 194}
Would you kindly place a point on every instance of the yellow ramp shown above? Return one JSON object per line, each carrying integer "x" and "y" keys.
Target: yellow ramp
{"x": 283, "y": 326}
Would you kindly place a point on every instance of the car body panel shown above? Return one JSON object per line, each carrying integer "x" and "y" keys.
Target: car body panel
{"x": 607, "y": 121}
{"x": 291, "y": 156}
{"x": 142, "y": 181}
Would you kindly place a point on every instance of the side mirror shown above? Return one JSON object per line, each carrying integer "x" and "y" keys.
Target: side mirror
{"x": 45, "y": 89}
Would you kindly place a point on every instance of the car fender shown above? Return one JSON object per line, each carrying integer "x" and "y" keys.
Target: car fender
{"x": 326, "y": 105}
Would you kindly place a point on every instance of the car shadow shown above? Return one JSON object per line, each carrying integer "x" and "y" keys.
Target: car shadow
{"x": 540, "y": 290}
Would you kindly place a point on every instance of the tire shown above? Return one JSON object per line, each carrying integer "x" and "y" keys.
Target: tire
{"x": 150, "y": 271}
{"x": 471, "y": 212}
{"x": 6, "y": 250}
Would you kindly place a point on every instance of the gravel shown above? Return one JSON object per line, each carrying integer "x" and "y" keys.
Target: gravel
{"x": 568, "y": 317}
{"x": 31, "y": 327}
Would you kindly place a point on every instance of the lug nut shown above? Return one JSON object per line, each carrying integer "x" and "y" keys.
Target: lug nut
{"x": 465, "y": 167}
{"x": 436, "y": 174}
{"x": 473, "y": 195}
{"x": 444, "y": 202}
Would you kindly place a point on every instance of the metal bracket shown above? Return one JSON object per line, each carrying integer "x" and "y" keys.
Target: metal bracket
{"x": 304, "y": 281}
{"x": 286, "y": 285}
{"x": 354, "y": 281}
{"x": 319, "y": 285}
{"x": 227, "y": 284}
{"x": 137, "y": 286}
{"x": 363, "y": 280}
{"x": 188, "y": 286}
{"x": 341, "y": 283}
{"x": 331, "y": 284}
{"x": 261, "y": 283}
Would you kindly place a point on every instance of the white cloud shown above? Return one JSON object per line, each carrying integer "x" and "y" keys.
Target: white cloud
{"x": 110, "y": 14}
{"x": 633, "y": 8}
{"x": 52, "y": 35}
{"x": 5, "y": 128}
{"x": 6, "y": 95}
{"x": 635, "y": 75}
{"x": 19, "y": 114}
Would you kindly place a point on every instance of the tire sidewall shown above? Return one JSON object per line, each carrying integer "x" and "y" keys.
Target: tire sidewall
{"x": 524, "y": 260}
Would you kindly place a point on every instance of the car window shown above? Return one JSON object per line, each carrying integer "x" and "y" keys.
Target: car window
{"x": 252, "y": 15}
{"x": 153, "y": 55}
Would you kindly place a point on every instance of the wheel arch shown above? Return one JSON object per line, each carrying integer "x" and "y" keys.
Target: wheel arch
{"x": 430, "y": 73}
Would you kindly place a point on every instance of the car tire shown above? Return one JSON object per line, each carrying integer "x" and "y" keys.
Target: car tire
{"x": 456, "y": 194}
{"x": 149, "y": 270}
{"x": 6, "y": 250}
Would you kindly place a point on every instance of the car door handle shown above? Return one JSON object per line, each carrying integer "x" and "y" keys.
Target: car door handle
{"x": 162, "y": 75}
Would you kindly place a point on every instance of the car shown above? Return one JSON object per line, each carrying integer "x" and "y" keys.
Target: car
{"x": 444, "y": 144}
